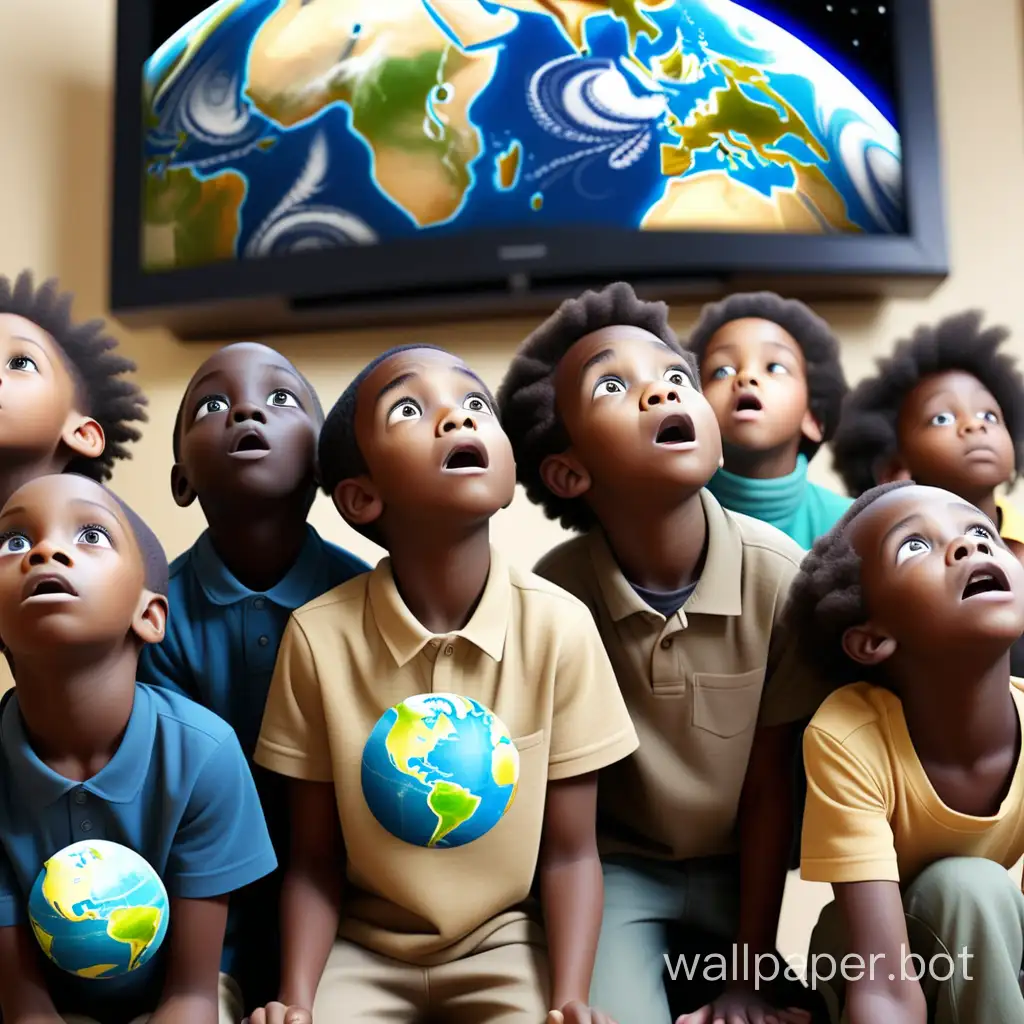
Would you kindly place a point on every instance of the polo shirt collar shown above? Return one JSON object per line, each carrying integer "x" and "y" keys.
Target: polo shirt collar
{"x": 118, "y": 782}
{"x": 719, "y": 589}
{"x": 405, "y": 636}
{"x": 221, "y": 587}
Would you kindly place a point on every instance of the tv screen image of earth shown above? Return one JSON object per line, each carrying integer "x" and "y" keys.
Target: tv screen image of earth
{"x": 281, "y": 126}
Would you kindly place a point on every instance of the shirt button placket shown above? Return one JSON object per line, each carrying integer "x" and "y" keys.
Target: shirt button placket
{"x": 443, "y": 666}
{"x": 82, "y": 823}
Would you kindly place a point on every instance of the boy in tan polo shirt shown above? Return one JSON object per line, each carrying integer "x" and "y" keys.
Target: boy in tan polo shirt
{"x": 915, "y": 781}
{"x": 613, "y": 437}
{"x": 414, "y": 456}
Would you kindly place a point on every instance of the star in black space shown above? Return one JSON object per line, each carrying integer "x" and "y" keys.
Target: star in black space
{"x": 855, "y": 37}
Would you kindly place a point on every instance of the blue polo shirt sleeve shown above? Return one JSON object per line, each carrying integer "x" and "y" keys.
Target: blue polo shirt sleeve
{"x": 12, "y": 910}
{"x": 222, "y": 843}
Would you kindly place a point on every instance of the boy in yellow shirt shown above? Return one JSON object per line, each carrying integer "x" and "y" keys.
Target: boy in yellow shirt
{"x": 915, "y": 786}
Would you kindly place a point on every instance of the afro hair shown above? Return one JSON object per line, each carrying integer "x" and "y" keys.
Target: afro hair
{"x": 826, "y": 381}
{"x": 526, "y": 398}
{"x": 825, "y": 598}
{"x": 98, "y": 372}
{"x": 867, "y": 437}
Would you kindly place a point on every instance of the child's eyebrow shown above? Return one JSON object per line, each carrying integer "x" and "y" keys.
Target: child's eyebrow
{"x": 397, "y": 382}
{"x": 600, "y": 357}
{"x": 904, "y": 522}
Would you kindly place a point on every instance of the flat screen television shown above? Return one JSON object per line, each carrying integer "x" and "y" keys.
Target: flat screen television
{"x": 284, "y": 165}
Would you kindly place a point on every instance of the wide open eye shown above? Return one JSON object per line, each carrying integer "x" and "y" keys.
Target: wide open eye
{"x": 406, "y": 409}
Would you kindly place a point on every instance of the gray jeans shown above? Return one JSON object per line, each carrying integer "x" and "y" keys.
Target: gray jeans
{"x": 643, "y": 900}
{"x": 958, "y": 905}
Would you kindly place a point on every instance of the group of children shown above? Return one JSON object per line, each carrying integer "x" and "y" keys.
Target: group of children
{"x": 658, "y": 671}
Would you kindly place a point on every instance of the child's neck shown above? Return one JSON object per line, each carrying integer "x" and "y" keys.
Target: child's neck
{"x": 76, "y": 709}
{"x": 442, "y": 577}
{"x": 259, "y": 543}
{"x": 958, "y": 710}
{"x": 758, "y": 465}
{"x": 658, "y": 549}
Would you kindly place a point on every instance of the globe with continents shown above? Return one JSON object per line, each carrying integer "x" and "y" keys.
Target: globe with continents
{"x": 439, "y": 770}
{"x": 98, "y": 910}
{"x": 279, "y": 126}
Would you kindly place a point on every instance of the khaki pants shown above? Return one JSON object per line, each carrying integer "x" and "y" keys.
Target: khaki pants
{"x": 502, "y": 984}
{"x": 229, "y": 999}
{"x": 957, "y": 906}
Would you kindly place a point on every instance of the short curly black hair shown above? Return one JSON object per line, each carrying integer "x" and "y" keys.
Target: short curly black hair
{"x": 154, "y": 558}
{"x": 526, "y": 397}
{"x": 98, "y": 373}
{"x": 338, "y": 450}
{"x": 825, "y": 598}
{"x": 868, "y": 430}
{"x": 826, "y": 380}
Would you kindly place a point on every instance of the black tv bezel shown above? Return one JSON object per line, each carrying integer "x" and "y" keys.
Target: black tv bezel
{"x": 491, "y": 258}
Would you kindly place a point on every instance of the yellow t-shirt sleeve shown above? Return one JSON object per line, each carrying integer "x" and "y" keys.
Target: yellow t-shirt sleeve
{"x": 590, "y": 726}
{"x": 293, "y": 740}
{"x": 846, "y": 832}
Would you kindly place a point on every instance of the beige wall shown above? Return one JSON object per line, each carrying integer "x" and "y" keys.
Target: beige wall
{"x": 56, "y": 59}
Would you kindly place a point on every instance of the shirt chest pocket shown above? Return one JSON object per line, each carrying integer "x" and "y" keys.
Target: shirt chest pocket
{"x": 727, "y": 705}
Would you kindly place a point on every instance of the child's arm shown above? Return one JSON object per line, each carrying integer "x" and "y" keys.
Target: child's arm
{"x": 872, "y": 913}
{"x": 571, "y": 886}
{"x": 23, "y": 995}
{"x": 311, "y": 894}
{"x": 196, "y": 937}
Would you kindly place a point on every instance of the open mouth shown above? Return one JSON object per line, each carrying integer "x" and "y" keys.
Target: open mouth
{"x": 50, "y": 585}
{"x": 676, "y": 430}
{"x": 465, "y": 457}
{"x": 748, "y": 403}
{"x": 252, "y": 441}
{"x": 989, "y": 579}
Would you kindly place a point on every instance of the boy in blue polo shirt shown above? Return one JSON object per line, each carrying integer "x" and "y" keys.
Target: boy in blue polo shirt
{"x": 88, "y": 753}
{"x": 245, "y": 446}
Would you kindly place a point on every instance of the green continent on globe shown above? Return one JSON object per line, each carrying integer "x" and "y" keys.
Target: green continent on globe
{"x": 412, "y": 736}
{"x": 739, "y": 126}
{"x": 190, "y": 220}
{"x": 453, "y": 805}
{"x": 135, "y": 926}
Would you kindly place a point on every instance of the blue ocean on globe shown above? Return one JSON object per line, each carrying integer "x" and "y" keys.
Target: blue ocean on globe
{"x": 439, "y": 770}
{"x": 98, "y": 910}
{"x": 279, "y": 126}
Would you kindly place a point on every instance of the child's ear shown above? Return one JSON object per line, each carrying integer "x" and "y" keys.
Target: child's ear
{"x": 358, "y": 501}
{"x": 891, "y": 470}
{"x": 150, "y": 619}
{"x": 564, "y": 476}
{"x": 868, "y": 645}
{"x": 84, "y": 436}
{"x": 180, "y": 487}
{"x": 811, "y": 428}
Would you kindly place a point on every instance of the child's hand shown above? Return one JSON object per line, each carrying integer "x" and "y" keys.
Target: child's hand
{"x": 741, "y": 1006}
{"x": 578, "y": 1013}
{"x": 278, "y": 1013}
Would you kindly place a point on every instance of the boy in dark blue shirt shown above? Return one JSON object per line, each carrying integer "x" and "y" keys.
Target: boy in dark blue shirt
{"x": 245, "y": 446}
{"x": 87, "y": 753}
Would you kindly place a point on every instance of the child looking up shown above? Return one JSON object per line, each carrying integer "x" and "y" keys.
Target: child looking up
{"x": 770, "y": 369}
{"x": 88, "y": 753}
{"x": 245, "y": 447}
{"x": 613, "y": 437}
{"x": 945, "y": 409}
{"x": 374, "y": 928}
{"x": 915, "y": 785}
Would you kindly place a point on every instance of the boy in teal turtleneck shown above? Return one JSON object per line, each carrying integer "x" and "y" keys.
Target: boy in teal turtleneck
{"x": 770, "y": 369}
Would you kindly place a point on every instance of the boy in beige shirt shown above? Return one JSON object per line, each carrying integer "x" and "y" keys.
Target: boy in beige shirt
{"x": 613, "y": 436}
{"x": 375, "y": 928}
{"x": 915, "y": 796}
